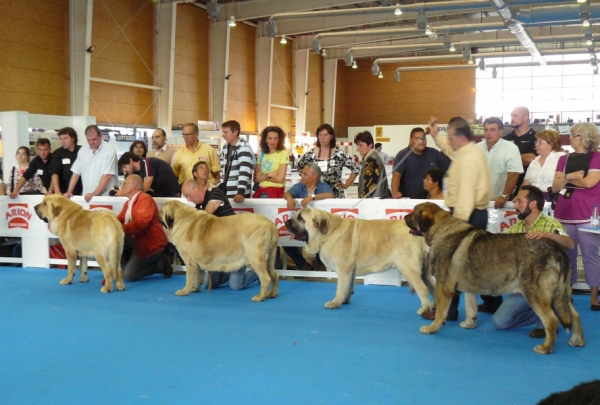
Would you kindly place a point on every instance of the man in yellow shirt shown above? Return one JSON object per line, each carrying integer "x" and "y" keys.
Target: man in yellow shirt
{"x": 192, "y": 152}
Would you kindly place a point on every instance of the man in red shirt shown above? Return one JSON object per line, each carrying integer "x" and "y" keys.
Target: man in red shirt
{"x": 145, "y": 238}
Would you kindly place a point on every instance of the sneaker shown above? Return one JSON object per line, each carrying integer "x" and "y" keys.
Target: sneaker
{"x": 167, "y": 268}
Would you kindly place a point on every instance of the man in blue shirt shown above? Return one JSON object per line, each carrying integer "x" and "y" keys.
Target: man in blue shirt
{"x": 309, "y": 189}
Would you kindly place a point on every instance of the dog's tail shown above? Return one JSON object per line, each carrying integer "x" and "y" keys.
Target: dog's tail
{"x": 561, "y": 302}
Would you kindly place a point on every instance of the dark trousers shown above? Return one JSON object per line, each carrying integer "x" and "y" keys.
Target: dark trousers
{"x": 478, "y": 219}
{"x": 135, "y": 269}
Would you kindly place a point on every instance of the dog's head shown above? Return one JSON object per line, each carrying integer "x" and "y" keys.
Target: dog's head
{"x": 307, "y": 223}
{"x": 168, "y": 212}
{"x": 423, "y": 218}
{"x": 50, "y": 207}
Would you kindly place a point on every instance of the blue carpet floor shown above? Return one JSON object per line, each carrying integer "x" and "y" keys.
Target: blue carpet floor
{"x": 75, "y": 345}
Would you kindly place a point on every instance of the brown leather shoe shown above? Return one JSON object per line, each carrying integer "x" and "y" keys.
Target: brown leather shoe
{"x": 167, "y": 268}
{"x": 486, "y": 309}
{"x": 429, "y": 315}
{"x": 539, "y": 333}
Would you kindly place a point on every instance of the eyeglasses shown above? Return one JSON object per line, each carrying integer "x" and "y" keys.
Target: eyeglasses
{"x": 574, "y": 135}
{"x": 190, "y": 134}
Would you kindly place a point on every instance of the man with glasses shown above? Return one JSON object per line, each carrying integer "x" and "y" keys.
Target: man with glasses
{"x": 192, "y": 152}
{"x": 96, "y": 165}
{"x": 410, "y": 171}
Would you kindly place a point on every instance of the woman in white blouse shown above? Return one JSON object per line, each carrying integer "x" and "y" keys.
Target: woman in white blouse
{"x": 541, "y": 171}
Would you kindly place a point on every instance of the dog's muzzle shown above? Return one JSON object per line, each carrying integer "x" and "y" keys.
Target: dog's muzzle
{"x": 43, "y": 218}
{"x": 299, "y": 234}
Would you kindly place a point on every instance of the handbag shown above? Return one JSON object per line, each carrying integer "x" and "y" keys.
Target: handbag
{"x": 576, "y": 162}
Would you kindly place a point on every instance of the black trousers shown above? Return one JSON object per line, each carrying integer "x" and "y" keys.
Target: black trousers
{"x": 478, "y": 219}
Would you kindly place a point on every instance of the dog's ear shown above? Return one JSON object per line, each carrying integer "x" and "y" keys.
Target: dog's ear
{"x": 322, "y": 224}
{"x": 169, "y": 220}
{"x": 426, "y": 218}
{"x": 55, "y": 210}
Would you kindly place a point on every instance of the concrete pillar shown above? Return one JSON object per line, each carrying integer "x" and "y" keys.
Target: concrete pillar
{"x": 264, "y": 73}
{"x": 220, "y": 69}
{"x": 166, "y": 14}
{"x": 329, "y": 89}
{"x": 80, "y": 26}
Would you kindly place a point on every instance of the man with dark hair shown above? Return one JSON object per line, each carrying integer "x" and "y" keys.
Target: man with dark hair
{"x": 62, "y": 160}
{"x": 503, "y": 160}
{"x": 40, "y": 165}
{"x": 96, "y": 165}
{"x": 194, "y": 151}
{"x": 515, "y": 311}
{"x": 160, "y": 149}
{"x": 237, "y": 163}
{"x": 384, "y": 156}
{"x": 524, "y": 137}
{"x": 410, "y": 171}
{"x": 158, "y": 175}
{"x": 469, "y": 188}
{"x": 145, "y": 238}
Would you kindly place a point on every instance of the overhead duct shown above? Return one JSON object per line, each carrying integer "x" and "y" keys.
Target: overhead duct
{"x": 554, "y": 14}
{"x": 517, "y": 29}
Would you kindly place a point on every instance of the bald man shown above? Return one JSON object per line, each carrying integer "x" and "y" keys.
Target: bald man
{"x": 524, "y": 137}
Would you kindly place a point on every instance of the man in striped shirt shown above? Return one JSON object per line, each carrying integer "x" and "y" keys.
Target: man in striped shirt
{"x": 237, "y": 163}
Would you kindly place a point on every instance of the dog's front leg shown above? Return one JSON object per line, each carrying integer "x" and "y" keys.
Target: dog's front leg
{"x": 443, "y": 299}
{"x": 83, "y": 268}
{"x": 191, "y": 276}
{"x": 344, "y": 276}
{"x": 71, "y": 263}
{"x": 470, "y": 321}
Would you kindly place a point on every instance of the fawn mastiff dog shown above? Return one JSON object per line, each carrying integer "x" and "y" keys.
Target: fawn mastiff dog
{"x": 474, "y": 261}
{"x": 85, "y": 233}
{"x": 356, "y": 247}
{"x": 207, "y": 242}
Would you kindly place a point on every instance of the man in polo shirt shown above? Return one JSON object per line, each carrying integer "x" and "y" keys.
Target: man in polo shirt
{"x": 62, "y": 160}
{"x": 159, "y": 179}
{"x": 192, "y": 152}
{"x": 515, "y": 311}
{"x": 40, "y": 165}
{"x": 524, "y": 137}
{"x": 96, "y": 164}
{"x": 160, "y": 149}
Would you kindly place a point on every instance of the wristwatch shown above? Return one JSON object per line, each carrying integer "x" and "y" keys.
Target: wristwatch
{"x": 313, "y": 196}
{"x": 505, "y": 196}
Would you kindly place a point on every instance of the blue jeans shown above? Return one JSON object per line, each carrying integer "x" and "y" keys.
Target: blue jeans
{"x": 515, "y": 312}
{"x": 238, "y": 280}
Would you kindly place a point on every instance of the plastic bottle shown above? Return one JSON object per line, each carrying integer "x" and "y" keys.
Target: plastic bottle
{"x": 595, "y": 219}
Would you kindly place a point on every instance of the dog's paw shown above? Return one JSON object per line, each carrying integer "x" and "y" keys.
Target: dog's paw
{"x": 332, "y": 305}
{"x": 105, "y": 290}
{"x": 541, "y": 349}
{"x": 468, "y": 324}
{"x": 427, "y": 329}
{"x": 121, "y": 286}
{"x": 194, "y": 289}
{"x": 577, "y": 341}
{"x": 65, "y": 281}
{"x": 181, "y": 293}
{"x": 272, "y": 294}
{"x": 258, "y": 298}
{"x": 84, "y": 278}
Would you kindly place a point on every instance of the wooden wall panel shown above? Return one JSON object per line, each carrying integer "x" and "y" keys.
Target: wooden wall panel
{"x": 126, "y": 56}
{"x": 314, "y": 103}
{"x": 191, "y": 95}
{"x": 241, "y": 92}
{"x": 373, "y": 101}
{"x": 34, "y": 56}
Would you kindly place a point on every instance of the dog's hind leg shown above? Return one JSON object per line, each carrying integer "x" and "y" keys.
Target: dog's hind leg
{"x": 274, "y": 289}
{"x": 577, "y": 338}
{"x": 83, "y": 268}
{"x": 115, "y": 263}
{"x": 470, "y": 321}
{"x": 541, "y": 306}
{"x": 107, "y": 271}
{"x": 71, "y": 263}
{"x": 345, "y": 278}
{"x": 412, "y": 274}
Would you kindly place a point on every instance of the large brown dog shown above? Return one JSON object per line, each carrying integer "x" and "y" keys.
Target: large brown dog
{"x": 85, "y": 233}
{"x": 356, "y": 247}
{"x": 207, "y": 242}
{"x": 474, "y": 261}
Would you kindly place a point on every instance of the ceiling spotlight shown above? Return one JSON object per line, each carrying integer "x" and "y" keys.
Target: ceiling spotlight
{"x": 213, "y": 9}
{"x": 585, "y": 23}
{"x": 374, "y": 69}
{"x": 482, "y": 64}
{"x": 354, "y": 65}
{"x": 421, "y": 20}
{"x": 348, "y": 59}
{"x": 470, "y": 62}
{"x": 452, "y": 48}
{"x": 283, "y": 40}
{"x": 324, "y": 53}
{"x": 428, "y": 30}
{"x": 397, "y": 76}
{"x": 581, "y": 1}
{"x": 232, "y": 21}
{"x": 595, "y": 69}
{"x": 316, "y": 46}
{"x": 494, "y": 73}
{"x": 433, "y": 35}
{"x": 380, "y": 75}
{"x": 589, "y": 42}
{"x": 592, "y": 55}
{"x": 398, "y": 10}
